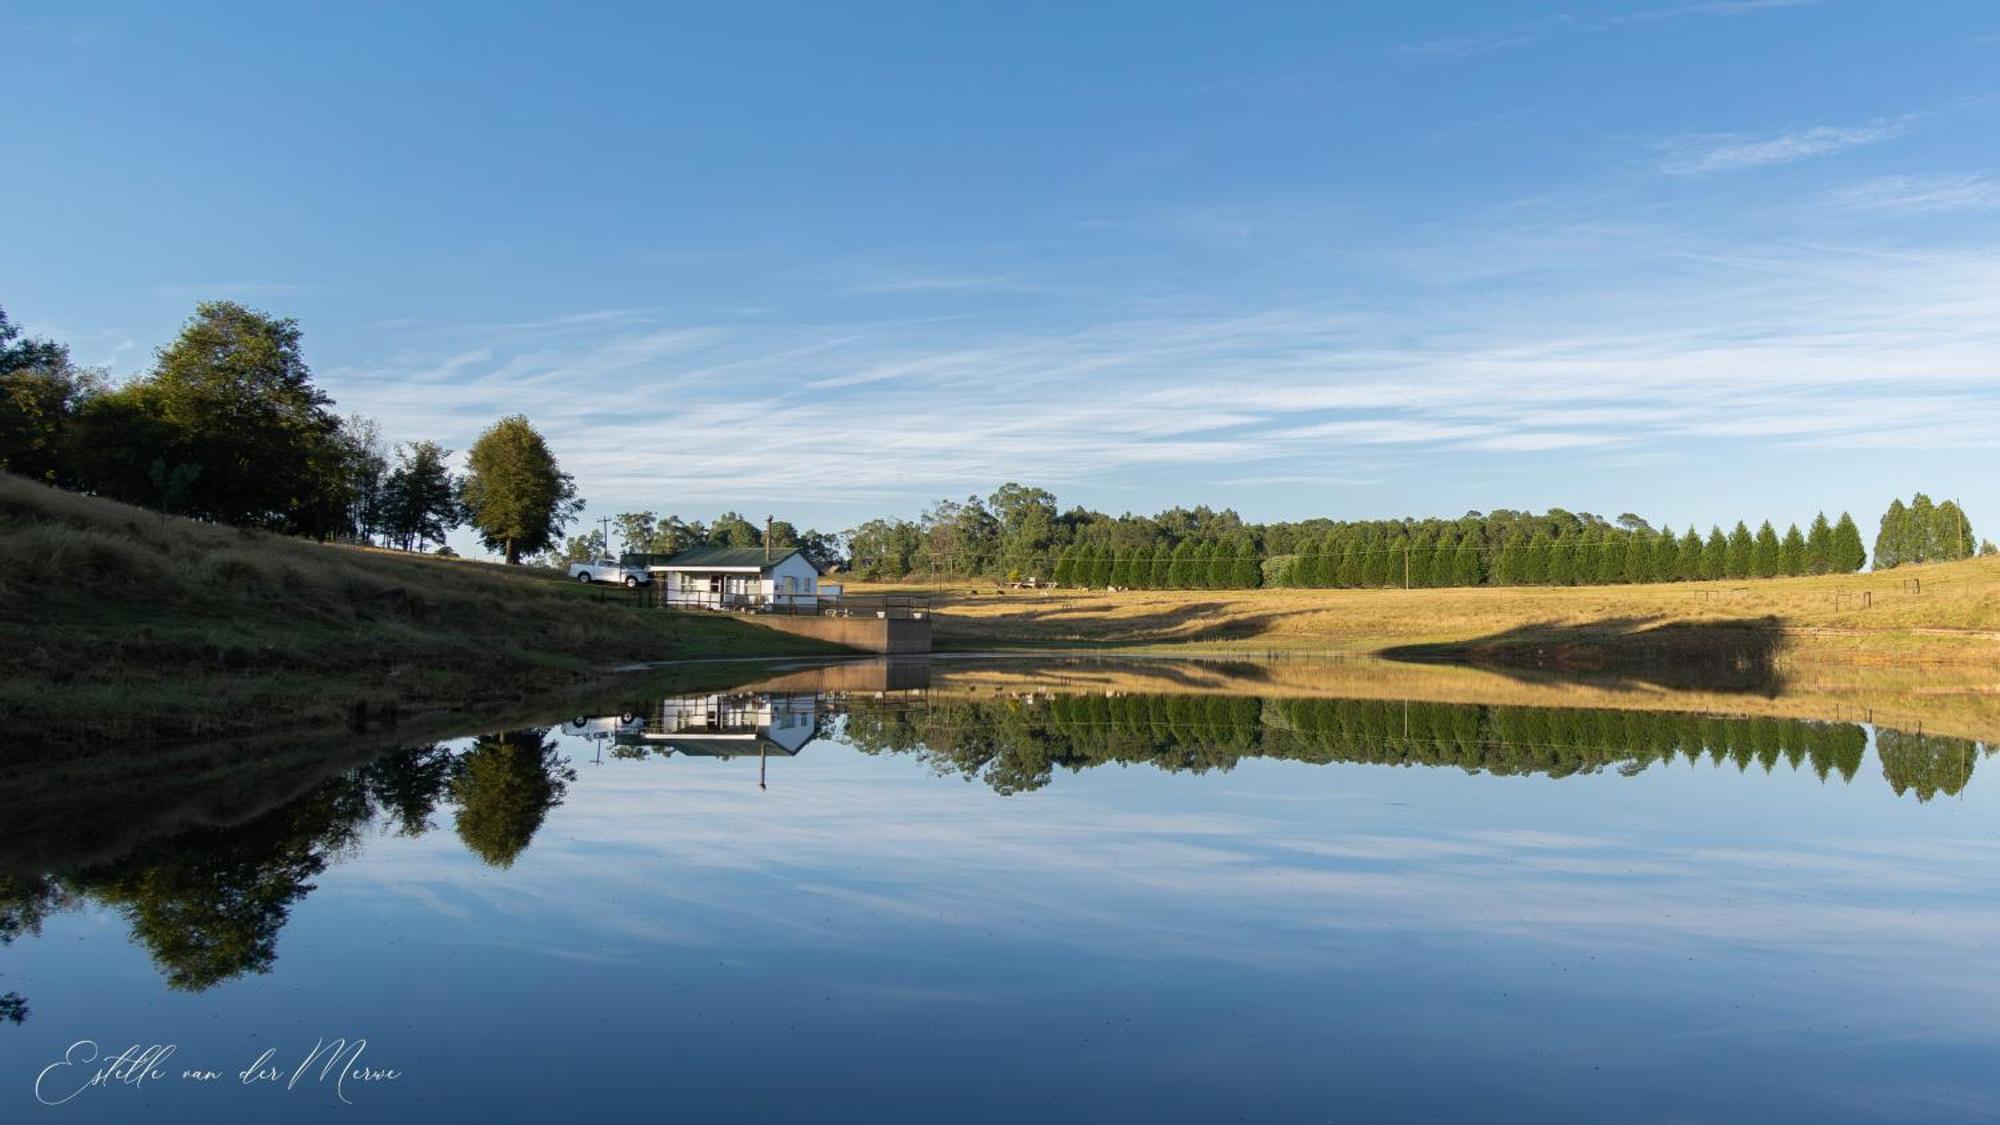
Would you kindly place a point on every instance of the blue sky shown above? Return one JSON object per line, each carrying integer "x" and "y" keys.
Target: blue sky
{"x": 1701, "y": 260}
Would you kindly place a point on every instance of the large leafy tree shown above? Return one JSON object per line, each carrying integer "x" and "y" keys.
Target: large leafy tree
{"x": 422, "y": 501}
{"x": 238, "y": 403}
{"x": 515, "y": 493}
{"x": 1028, "y": 523}
{"x": 732, "y": 530}
{"x": 40, "y": 391}
{"x": 368, "y": 475}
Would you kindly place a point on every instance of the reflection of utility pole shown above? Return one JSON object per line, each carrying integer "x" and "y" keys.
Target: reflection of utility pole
{"x": 761, "y": 751}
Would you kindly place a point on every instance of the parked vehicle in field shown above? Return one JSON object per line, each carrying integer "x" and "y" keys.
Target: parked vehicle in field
{"x": 610, "y": 570}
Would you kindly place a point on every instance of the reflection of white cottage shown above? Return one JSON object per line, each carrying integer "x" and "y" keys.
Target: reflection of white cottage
{"x": 603, "y": 726}
{"x": 728, "y": 726}
{"x": 738, "y": 578}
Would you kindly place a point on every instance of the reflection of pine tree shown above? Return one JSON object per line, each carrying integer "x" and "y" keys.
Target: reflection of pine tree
{"x": 1014, "y": 747}
{"x": 505, "y": 786}
{"x": 1928, "y": 764}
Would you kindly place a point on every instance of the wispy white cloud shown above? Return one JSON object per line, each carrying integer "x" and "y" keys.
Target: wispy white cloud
{"x": 1728, "y": 152}
{"x": 1823, "y": 348}
{"x": 933, "y": 284}
{"x": 1925, "y": 194}
{"x": 1522, "y": 35}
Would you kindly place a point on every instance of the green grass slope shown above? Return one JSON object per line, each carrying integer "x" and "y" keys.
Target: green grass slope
{"x": 119, "y": 622}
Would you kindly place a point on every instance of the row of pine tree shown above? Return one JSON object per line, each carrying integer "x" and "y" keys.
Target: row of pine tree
{"x": 1446, "y": 553}
{"x": 1214, "y": 565}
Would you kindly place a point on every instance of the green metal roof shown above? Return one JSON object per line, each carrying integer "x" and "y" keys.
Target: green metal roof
{"x": 747, "y": 558}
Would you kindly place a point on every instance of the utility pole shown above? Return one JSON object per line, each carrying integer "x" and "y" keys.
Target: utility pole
{"x": 767, "y": 537}
{"x": 605, "y": 523}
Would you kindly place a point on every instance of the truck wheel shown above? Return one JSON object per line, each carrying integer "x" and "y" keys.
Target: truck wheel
{"x": 631, "y": 583}
{"x": 584, "y": 577}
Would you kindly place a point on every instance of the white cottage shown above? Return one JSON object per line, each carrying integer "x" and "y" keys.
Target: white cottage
{"x": 741, "y": 578}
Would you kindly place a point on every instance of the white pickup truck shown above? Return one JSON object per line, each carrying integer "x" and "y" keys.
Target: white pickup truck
{"x": 610, "y": 570}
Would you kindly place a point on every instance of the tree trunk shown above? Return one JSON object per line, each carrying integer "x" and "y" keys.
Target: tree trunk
{"x": 513, "y": 554}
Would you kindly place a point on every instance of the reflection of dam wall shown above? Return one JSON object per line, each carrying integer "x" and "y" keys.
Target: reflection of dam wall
{"x": 1017, "y": 743}
{"x": 903, "y": 673}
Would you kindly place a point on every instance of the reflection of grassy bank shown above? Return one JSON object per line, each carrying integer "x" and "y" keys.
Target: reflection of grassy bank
{"x": 1953, "y": 618}
{"x": 120, "y": 623}
{"x": 1956, "y": 700}
{"x": 107, "y": 797}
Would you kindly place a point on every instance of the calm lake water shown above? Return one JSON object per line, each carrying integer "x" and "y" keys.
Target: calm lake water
{"x": 1028, "y": 898}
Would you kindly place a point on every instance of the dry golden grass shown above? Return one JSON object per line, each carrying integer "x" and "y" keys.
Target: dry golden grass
{"x": 1955, "y": 617}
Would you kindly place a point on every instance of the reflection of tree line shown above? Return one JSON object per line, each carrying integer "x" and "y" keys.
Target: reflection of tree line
{"x": 1015, "y": 745}
{"x": 208, "y": 904}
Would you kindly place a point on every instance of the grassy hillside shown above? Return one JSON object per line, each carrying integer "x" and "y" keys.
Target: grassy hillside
{"x": 115, "y": 621}
{"x": 1953, "y": 617}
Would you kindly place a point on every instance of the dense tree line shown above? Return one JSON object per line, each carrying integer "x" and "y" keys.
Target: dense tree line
{"x": 1559, "y": 548}
{"x": 1923, "y": 532}
{"x": 645, "y": 533}
{"x": 1018, "y": 532}
{"x": 227, "y": 425}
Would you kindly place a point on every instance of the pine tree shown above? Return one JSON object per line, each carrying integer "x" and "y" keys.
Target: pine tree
{"x": 1666, "y": 557}
{"x": 1792, "y": 552}
{"x": 1504, "y": 560}
{"x": 1611, "y": 559}
{"x": 1326, "y": 561}
{"x": 1215, "y": 565}
{"x": 1848, "y": 553}
{"x": 1891, "y": 536}
{"x": 1766, "y": 560}
{"x": 1920, "y": 531}
{"x": 1535, "y": 560}
{"x": 1819, "y": 546}
{"x": 1065, "y": 570}
{"x": 1638, "y": 558}
{"x": 1121, "y": 567}
{"x": 1182, "y": 576}
{"x": 1715, "y": 555}
{"x": 1249, "y": 571}
{"x": 1423, "y": 546}
{"x": 1562, "y": 560}
{"x": 1160, "y": 566}
{"x": 1374, "y": 559}
{"x": 1952, "y": 536}
{"x": 1468, "y": 566}
{"x": 1691, "y": 556}
{"x": 1353, "y": 566}
{"x": 1742, "y": 551}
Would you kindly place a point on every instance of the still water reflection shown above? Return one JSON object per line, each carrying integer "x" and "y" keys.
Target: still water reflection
{"x": 1147, "y": 905}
